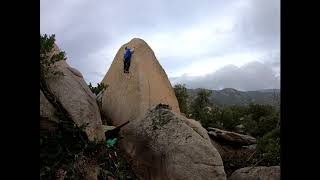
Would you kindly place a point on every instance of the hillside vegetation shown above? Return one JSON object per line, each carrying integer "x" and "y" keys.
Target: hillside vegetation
{"x": 261, "y": 121}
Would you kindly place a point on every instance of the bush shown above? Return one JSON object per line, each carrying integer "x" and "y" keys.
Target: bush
{"x": 227, "y": 117}
{"x": 47, "y": 60}
{"x": 267, "y": 123}
{"x": 60, "y": 150}
{"x": 250, "y": 125}
{"x": 182, "y": 96}
{"x": 258, "y": 110}
{"x": 96, "y": 90}
{"x": 228, "y": 120}
{"x": 266, "y": 117}
{"x": 199, "y": 107}
{"x": 268, "y": 148}
{"x": 215, "y": 118}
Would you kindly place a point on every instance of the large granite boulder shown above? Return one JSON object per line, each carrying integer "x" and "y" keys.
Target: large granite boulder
{"x": 129, "y": 95}
{"x": 166, "y": 145}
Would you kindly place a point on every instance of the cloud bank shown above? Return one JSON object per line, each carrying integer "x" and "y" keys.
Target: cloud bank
{"x": 194, "y": 39}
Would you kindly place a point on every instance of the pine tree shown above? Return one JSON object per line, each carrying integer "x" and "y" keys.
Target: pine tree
{"x": 182, "y": 96}
{"x": 199, "y": 107}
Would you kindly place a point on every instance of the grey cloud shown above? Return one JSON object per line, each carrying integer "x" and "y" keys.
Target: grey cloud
{"x": 258, "y": 24}
{"x": 252, "y": 76}
{"x": 85, "y": 27}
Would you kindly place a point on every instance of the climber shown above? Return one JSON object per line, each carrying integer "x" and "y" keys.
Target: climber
{"x": 126, "y": 59}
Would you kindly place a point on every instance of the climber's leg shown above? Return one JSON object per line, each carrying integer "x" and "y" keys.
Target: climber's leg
{"x": 128, "y": 65}
{"x": 125, "y": 65}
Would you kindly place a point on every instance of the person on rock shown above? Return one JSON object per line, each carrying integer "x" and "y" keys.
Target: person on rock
{"x": 127, "y": 58}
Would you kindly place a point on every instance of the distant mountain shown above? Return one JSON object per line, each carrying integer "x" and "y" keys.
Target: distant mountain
{"x": 229, "y": 96}
{"x": 270, "y": 90}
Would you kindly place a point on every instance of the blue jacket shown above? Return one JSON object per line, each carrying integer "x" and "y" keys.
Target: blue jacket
{"x": 127, "y": 54}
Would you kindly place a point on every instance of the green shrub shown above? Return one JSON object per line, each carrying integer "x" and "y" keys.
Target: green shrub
{"x": 96, "y": 90}
{"x": 229, "y": 122}
{"x": 267, "y": 123}
{"x": 199, "y": 107}
{"x": 268, "y": 148}
{"x": 260, "y": 119}
{"x": 215, "y": 118}
{"x": 47, "y": 60}
{"x": 250, "y": 125}
{"x": 182, "y": 96}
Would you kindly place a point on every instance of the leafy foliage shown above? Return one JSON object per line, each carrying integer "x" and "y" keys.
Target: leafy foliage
{"x": 182, "y": 96}
{"x": 200, "y": 107}
{"x": 228, "y": 119}
{"x": 60, "y": 150}
{"x": 47, "y": 57}
{"x": 251, "y": 126}
{"x": 268, "y": 148}
{"x": 96, "y": 90}
{"x": 257, "y": 119}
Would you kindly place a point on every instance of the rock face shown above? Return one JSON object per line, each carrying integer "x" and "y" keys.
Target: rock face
{"x": 76, "y": 97}
{"x": 48, "y": 119}
{"x": 166, "y": 145}
{"x": 99, "y": 99}
{"x": 231, "y": 138}
{"x": 256, "y": 173}
{"x": 128, "y": 96}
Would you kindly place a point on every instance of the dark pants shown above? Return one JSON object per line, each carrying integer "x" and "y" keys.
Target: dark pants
{"x": 126, "y": 64}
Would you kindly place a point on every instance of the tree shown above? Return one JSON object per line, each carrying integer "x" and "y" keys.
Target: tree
{"x": 259, "y": 110}
{"x": 47, "y": 59}
{"x": 267, "y": 123}
{"x": 228, "y": 120}
{"x": 268, "y": 148}
{"x": 215, "y": 118}
{"x": 265, "y": 116}
{"x": 250, "y": 125}
{"x": 199, "y": 107}
{"x": 96, "y": 90}
{"x": 182, "y": 96}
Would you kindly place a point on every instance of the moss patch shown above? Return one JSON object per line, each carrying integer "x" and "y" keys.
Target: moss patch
{"x": 160, "y": 117}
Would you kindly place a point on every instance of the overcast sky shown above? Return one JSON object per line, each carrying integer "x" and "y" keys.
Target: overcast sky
{"x": 207, "y": 43}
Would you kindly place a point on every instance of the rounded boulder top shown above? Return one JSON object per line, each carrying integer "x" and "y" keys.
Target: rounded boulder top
{"x": 130, "y": 95}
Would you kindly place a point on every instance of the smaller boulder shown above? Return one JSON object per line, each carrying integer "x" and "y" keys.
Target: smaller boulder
{"x": 256, "y": 173}
{"x": 231, "y": 138}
